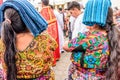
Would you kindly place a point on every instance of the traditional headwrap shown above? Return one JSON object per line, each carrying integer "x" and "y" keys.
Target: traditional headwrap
{"x": 32, "y": 19}
{"x": 96, "y": 12}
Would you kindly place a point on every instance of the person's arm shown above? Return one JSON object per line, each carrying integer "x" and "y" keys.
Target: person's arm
{"x": 53, "y": 44}
{"x": 48, "y": 45}
{"x": 74, "y": 44}
{"x": 82, "y": 42}
{"x": 65, "y": 47}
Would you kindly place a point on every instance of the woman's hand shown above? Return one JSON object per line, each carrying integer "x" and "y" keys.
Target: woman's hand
{"x": 65, "y": 47}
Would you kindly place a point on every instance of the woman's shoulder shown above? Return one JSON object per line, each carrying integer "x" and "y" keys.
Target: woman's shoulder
{"x": 46, "y": 38}
{"x": 44, "y": 35}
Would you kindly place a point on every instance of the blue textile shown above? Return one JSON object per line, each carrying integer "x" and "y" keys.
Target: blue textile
{"x": 96, "y": 12}
{"x": 32, "y": 19}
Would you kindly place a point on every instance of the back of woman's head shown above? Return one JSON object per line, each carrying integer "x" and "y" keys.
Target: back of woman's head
{"x": 15, "y": 20}
{"x": 11, "y": 26}
{"x": 96, "y": 12}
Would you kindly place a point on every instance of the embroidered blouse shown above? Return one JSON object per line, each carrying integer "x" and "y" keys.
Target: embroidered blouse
{"x": 90, "y": 50}
{"x": 36, "y": 59}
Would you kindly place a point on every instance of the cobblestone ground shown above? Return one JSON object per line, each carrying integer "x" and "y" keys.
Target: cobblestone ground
{"x": 61, "y": 68}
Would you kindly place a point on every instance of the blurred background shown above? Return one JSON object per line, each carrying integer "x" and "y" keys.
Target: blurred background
{"x": 63, "y": 3}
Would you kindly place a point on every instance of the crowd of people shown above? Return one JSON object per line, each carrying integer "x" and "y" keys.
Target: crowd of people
{"x": 31, "y": 41}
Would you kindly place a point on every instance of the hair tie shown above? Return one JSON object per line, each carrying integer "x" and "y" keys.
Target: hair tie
{"x": 8, "y": 20}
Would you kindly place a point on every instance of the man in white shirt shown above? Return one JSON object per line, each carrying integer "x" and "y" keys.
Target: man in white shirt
{"x": 78, "y": 26}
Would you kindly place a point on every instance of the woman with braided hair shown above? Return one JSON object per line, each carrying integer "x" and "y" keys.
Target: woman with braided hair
{"x": 95, "y": 54}
{"x": 26, "y": 52}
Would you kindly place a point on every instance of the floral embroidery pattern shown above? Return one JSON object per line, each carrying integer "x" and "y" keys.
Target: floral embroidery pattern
{"x": 95, "y": 45}
{"x": 91, "y": 61}
{"x": 35, "y": 61}
{"x": 95, "y": 57}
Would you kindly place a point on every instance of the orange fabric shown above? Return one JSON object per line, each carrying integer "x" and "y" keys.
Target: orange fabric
{"x": 52, "y": 29}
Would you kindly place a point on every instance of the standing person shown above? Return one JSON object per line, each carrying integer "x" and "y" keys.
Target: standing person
{"x": 70, "y": 29}
{"x": 62, "y": 19}
{"x": 52, "y": 29}
{"x": 78, "y": 26}
{"x": 64, "y": 27}
{"x": 60, "y": 28}
{"x": 26, "y": 52}
{"x": 91, "y": 50}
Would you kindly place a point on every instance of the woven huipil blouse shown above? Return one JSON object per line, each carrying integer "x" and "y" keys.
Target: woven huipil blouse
{"x": 89, "y": 57}
{"x": 36, "y": 60}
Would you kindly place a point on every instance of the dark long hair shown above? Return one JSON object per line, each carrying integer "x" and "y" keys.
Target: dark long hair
{"x": 45, "y": 2}
{"x": 11, "y": 26}
{"x": 113, "y": 71}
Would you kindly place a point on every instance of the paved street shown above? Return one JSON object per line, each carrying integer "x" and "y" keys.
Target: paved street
{"x": 61, "y": 68}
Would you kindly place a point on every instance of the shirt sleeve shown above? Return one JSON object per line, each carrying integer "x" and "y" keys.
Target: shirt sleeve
{"x": 48, "y": 41}
{"x": 52, "y": 42}
{"x": 83, "y": 41}
{"x": 47, "y": 45}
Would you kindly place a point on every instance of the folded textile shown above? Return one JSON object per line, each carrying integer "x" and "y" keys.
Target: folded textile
{"x": 32, "y": 19}
{"x": 96, "y": 12}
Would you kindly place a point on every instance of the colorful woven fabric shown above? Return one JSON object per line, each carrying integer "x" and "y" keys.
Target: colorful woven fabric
{"x": 92, "y": 54}
{"x": 96, "y": 12}
{"x": 85, "y": 74}
{"x": 36, "y": 60}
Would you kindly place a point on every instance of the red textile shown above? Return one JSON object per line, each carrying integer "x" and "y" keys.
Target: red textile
{"x": 52, "y": 29}
{"x": 1, "y": 1}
